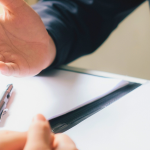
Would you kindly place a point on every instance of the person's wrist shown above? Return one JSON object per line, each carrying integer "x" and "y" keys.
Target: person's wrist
{"x": 51, "y": 52}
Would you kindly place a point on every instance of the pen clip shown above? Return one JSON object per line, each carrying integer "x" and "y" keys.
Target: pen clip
{"x": 4, "y": 99}
{"x": 3, "y": 113}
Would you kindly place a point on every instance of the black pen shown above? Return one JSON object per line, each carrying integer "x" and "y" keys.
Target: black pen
{"x": 4, "y": 98}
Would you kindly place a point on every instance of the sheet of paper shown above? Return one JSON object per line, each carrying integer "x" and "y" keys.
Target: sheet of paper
{"x": 123, "y": 125}
{"x": 53, "y": 95}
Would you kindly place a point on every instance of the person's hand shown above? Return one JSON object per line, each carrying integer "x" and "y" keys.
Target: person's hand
{"x": 38, "y": 137}
{"x": 11, "y": 140}
{"x": 25, "y": 46}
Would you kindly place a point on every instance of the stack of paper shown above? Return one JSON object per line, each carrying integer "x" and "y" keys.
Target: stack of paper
{"x": 53, "y": 95}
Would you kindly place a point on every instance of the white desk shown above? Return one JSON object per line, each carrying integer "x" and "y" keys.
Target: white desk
{"x": 123, "y": 125}
{"x": 53, "y": 94}
{"x": 113, "y": 120}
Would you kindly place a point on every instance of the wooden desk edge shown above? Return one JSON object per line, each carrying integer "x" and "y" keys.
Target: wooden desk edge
{"x": 104, "y": 74}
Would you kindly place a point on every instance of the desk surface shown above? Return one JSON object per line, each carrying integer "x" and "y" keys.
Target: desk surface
{"x": 65, "y": 122}
{"x": 123, "y": 125}
{"x": 59, "y": 92}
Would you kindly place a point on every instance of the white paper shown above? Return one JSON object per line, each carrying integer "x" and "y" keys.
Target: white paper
{"x": 53, "y": 95}
{"x": 123, "y": 125}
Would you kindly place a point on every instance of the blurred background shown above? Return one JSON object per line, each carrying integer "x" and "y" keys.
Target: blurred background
{"x": 126, "y": 51}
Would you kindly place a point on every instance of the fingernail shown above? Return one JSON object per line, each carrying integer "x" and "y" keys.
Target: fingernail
{"x": 39, "y": 117}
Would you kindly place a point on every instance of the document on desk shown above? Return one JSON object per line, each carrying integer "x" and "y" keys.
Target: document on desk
{"x": 53, "y": 95}
{"x": 123, "y": 125}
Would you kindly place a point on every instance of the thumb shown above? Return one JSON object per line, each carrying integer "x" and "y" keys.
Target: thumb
{"x": 38, "y": 137}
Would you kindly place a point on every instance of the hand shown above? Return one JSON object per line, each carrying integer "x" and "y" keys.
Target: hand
{"x": 11, "y": 140}
{"x": 25, "y": 46}
{"x": 38, "y": 137}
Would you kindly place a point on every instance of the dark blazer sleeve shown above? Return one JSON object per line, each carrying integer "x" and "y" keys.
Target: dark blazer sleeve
{"x": 79, "y": 27}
